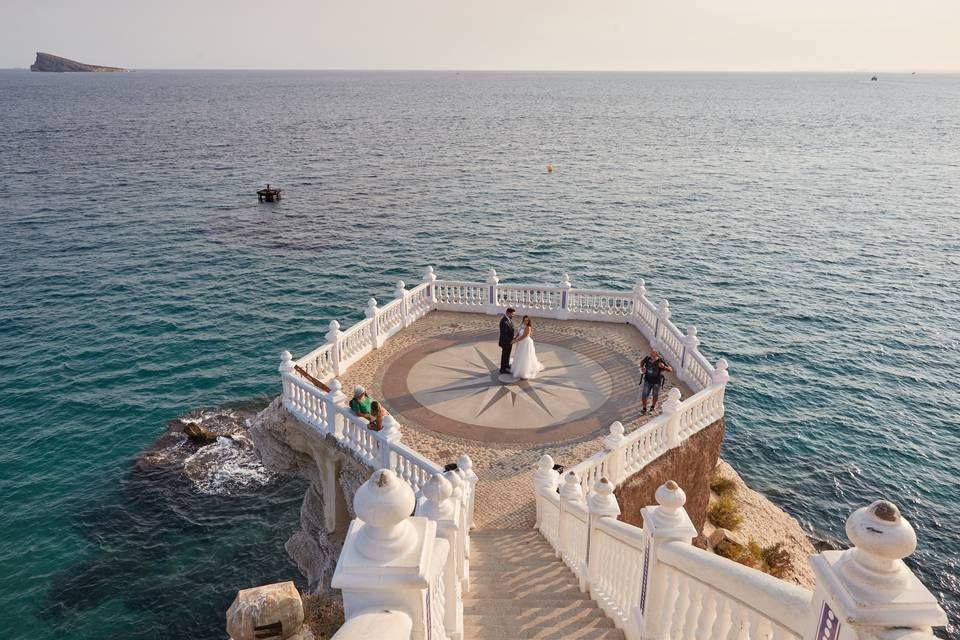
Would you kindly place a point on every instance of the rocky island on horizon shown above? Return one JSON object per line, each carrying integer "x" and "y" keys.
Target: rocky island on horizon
{"x": 50, "y": 62}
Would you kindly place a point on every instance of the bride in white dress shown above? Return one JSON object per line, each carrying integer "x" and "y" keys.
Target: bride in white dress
{"x": 525, "y": 363}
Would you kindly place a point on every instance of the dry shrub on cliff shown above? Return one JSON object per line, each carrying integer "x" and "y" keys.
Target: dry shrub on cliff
{"x": 774, "y": 559}
{"x": 725, "y": 513}
{"x": 720, "y": 485}
{"x": 323, "y": 613}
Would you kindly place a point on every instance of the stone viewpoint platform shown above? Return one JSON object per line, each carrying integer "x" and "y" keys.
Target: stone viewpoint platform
{"x": 463, "y": 455}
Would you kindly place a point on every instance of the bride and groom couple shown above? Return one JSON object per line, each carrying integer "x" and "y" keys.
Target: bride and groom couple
{"x": 525, "y": 365}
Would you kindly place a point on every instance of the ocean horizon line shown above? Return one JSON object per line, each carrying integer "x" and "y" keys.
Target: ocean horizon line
{"x": 559, "y": 71}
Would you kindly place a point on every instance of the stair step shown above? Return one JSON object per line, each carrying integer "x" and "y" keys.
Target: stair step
{"x": 559, "y": 632}
{"x": 540, "y": 617}
{"x": 503, "y": 606}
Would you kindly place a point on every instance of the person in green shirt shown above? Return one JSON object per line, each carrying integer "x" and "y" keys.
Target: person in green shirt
{"x": 360, "y": 403}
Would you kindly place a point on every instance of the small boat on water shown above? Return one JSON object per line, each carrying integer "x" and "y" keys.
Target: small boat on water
{"x": 873, "y": 79}
{"x": 268, "y": 194}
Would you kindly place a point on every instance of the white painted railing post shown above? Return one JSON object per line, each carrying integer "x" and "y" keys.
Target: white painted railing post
{"x": 639, "y": 295}
{"x": 720, "y": 375}
{"x": 371, "y": 312}
{"x": 333, "y": 338}
{"x": 431, "y": 278}
{"x": 470, "y": 477}
{"x": 492, "y": 281}
{"x": 400, "y": 293}
{"x": 570, "y": 491}
{"x": 690, "y": 343}
{"x": 459, "y": 491}
{"x": 440, "y": 505}
{"x": 664, "y": 523}
{"x": 335, "y": 399}
{"x": 389, "y": 435}
{"x": 545, "y": 480}
{"x": 602, "y": 504}
{"x": 390, "y": 560}
{"x": 671, "y": 412}
{"x": 867, "y": 591}
{"x": 616, "y": 458}
{"x": 663, "y": 314}
{"x": 565, "y": 287}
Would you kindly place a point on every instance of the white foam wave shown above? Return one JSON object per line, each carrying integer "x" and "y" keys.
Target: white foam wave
{"x": 225, "y": 467}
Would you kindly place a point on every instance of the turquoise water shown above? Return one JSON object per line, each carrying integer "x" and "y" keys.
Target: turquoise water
{"x": 808, "y": 224}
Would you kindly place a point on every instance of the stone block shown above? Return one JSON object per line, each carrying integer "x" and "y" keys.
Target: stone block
{"x": 257, "y": 612}
{"x": 720, "y": 534}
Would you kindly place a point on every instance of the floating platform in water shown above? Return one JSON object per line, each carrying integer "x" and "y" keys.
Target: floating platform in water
{"x": 268, "y": 194}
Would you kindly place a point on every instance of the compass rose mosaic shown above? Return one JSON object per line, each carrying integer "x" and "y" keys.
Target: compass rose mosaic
{"x": 452, "y": 385}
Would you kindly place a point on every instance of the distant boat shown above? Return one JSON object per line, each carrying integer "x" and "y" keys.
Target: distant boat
{"x": 873, "y": 79}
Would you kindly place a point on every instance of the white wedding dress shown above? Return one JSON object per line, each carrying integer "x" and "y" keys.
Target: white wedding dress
{"x": 525, "y": 364}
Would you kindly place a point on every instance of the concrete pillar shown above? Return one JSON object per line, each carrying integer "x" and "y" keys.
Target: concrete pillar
{"x": 371, "y": 312}
{"x": 616, "y": 458}
{"x": 333, "y": 338}
{"x": 545, "y": 480}
{"x": 492, "y": 281}
{"x": 565, "y": 287}
{"x": 430, "y": 278}
{"x": 440, "y": 505}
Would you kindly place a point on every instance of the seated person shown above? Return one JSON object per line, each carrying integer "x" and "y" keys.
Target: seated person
{"x": 377, "y": 414}
{"x": 360, "y": 403}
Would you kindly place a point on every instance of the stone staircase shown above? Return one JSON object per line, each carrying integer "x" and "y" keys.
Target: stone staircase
{"x": 520, "y": 589}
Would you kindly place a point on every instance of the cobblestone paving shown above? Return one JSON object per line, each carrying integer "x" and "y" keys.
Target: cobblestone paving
{"x": 504, "y": 495}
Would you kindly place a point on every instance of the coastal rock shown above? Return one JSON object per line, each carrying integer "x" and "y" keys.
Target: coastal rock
{"x": 273, "y": 610}
{"x": 286, "y": 445}
{"x": 50, "y": 62}
{"x": 720, "y": 535}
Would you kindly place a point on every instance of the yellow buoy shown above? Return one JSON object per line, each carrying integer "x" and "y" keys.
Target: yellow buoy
{"x": 549, "y": 168}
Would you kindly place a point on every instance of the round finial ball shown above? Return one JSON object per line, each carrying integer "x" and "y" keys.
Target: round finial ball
{"x": 437, "y": 488}
{"x": 604, "y": 487}
{"x": 880, "y": 530}
{"x": 464, "y": 462}
{"x": 722, "y": 364}
{"x": 546, "y": 462}
{"x": 671, "y": 496}
{"x": 372, "y": 302}
{"x": 334, "y": 325}
{"x": 286, "y": 356}
{"x": 616, "y": 428}
{"x": 384, "y": 500}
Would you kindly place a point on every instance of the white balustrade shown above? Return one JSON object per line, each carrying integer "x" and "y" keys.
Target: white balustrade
{"x": 458, "y": 296}
{"x": 592, "y": 304}
{"x": 534, "y": 299}
{"x": 617, "y": 567}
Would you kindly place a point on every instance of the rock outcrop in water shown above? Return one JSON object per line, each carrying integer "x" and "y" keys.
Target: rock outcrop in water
{"x": 50, "y": 62}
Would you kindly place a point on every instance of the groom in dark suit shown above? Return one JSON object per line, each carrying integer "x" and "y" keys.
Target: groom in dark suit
{"x": 507, "y": 331}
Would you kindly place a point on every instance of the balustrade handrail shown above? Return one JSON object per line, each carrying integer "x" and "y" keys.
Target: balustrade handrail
{"x": 777, "y": 600}
{"x": 622, "y": 532}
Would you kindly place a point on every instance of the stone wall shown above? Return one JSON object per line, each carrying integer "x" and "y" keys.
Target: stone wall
{"x": 689, "y": 465}
{"x": 287, "y": 445}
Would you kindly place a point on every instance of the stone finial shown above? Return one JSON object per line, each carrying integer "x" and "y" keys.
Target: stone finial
{"x": 391, "y": 429}
{"x": 881, "y": 538}
{"x": 571, "y": 489}
{"x": 670, "y": 497}
{"x": 371, "y": 309}
{"x": 333, "y": 335}
{"x": 336, "y": 391}
{"x": 453, "y": 476}
{"x": 465, "y": 464}
{"x": 545, "y": 477}
{"x": 492, "y": 277}
{"x": 720, "y": 374}
{"x": 400, "y": 290}
{"x": 384, "y": 504}
{"x": 663, "y": 311}
{"x": 692, "y": 340}
{"x": 429, "y": 275}
{"x": 565, "y": 281}
{"x": 640, "y": 288}
{"x": 437, "y": 492}
{"x": 613, "y": 440}
{"x": 286, "y": 362}
{"x": 672, "y": 403}
{"x": 276, "y": 606}
{"x": 602, "y": 502}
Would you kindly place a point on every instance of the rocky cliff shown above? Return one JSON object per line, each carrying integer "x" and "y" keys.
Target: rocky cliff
{"x": 48, "y": 62}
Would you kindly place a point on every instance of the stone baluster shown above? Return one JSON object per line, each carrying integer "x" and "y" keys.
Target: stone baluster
{"x": 545, "y": 480}
{"x": 465, "y": 465}
{"x": 430, "y": 278}
{"x": 570, "y": 491}
{"x": 663, "y": 314}
{"x": 690, "y": 343}
{"x": 671, "y": 413}
{"x": 565, "y": 287}
{"x": 492, "y": 281}
{"x": 616, "y": 456}
{"x": 333, "y": 339}
{"x": 667, "y": 522}
{"x": 389, "y": 435}
{"x": 867, "y": 591}
{"x": 286, "y": 369}
{"x": 459, "y": 492}
{"x": 440, "y": 505}
{"x": 372, "y": 312}
{"x": 335, "y": 399}
{"x": 720, "y": 374}
{"x": 390, "y": 560}
{"x": 400, "y": 293}
{"x": 602, "y": 504}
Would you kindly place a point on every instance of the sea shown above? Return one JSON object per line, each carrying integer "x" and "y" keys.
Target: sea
{"x": 808, "y": 224}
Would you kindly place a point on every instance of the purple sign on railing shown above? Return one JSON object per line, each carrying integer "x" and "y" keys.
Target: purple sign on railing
{"x": 829, "y": 627}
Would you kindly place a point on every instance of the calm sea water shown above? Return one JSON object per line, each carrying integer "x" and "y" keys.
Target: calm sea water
{"x": 808, "y": 224}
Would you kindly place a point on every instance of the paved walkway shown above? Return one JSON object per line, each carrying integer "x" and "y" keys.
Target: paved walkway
{"x": 439, "y": 379}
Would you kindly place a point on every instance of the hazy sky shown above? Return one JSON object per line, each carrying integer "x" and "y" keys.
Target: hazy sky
{"x": 835, "y": 35}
